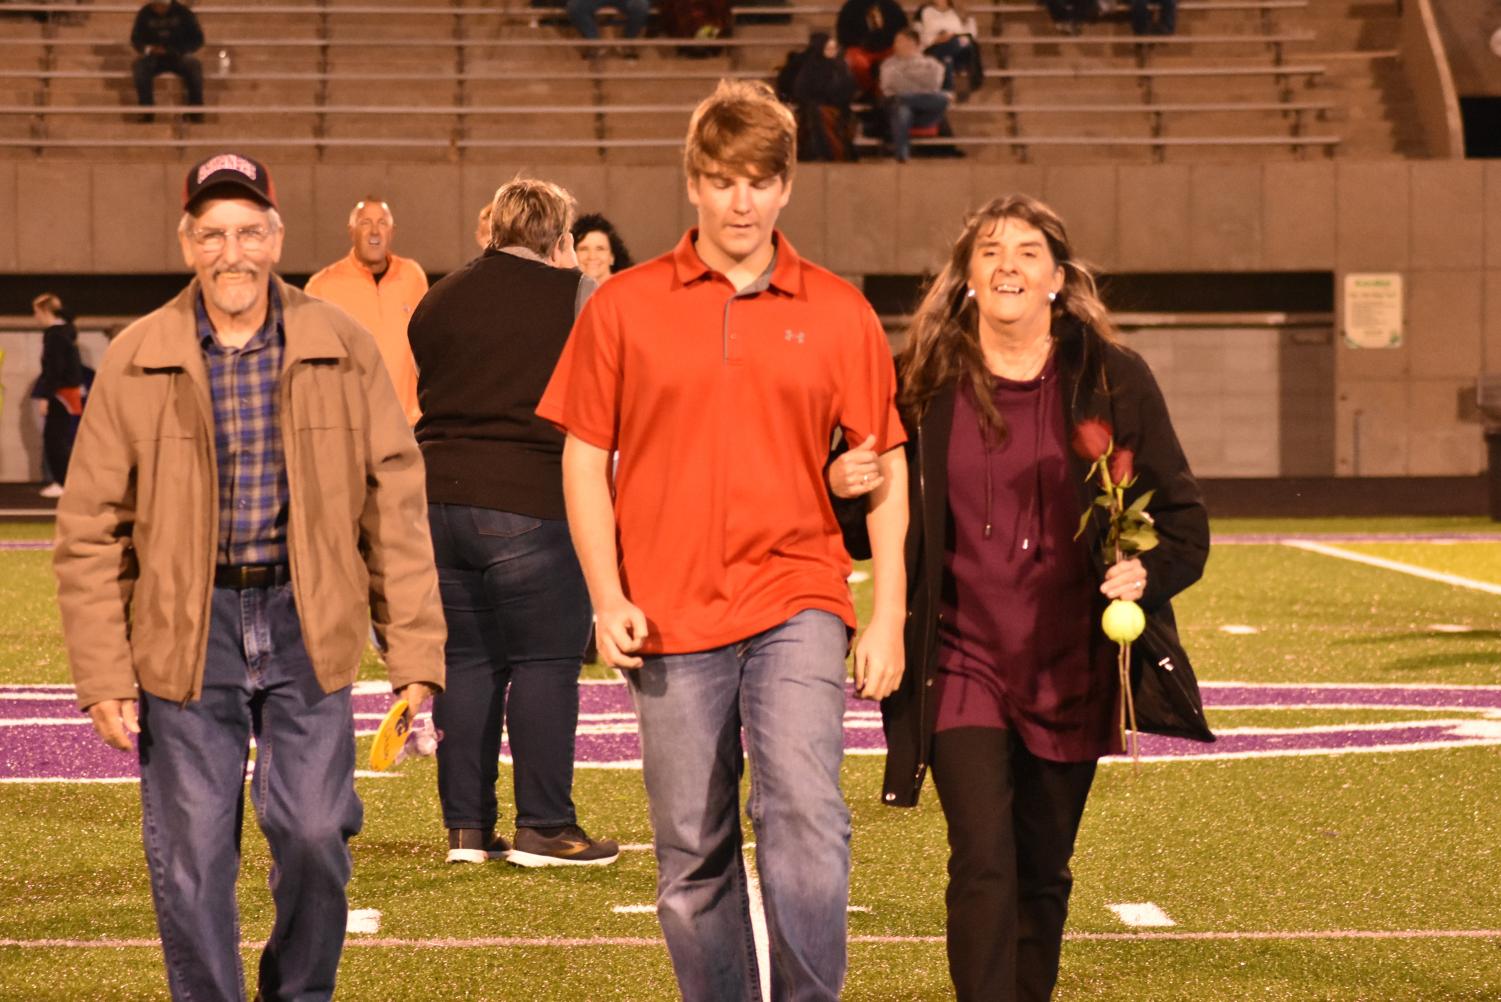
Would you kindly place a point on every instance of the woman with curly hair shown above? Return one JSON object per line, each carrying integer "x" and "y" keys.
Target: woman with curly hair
{"x": 600, "y": 250}
{"x": 1011, "y": 685}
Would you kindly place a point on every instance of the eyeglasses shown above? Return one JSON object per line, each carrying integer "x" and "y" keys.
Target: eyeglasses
{"x": 250, "y": 238}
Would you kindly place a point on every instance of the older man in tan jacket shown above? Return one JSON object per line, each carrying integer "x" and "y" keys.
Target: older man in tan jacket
{"x": 244, "y": 496}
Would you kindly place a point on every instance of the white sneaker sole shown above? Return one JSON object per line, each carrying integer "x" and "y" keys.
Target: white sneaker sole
{"x": 472, "y": 856}
{"x": 528, "y": 859}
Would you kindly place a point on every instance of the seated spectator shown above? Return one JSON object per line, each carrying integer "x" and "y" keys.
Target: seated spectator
{"x": 820, "y": 88}
{"x": 864, "y": 30}
{"x": 165, "y": 36}
{"x": 1144, "y": 23}
{"x": 949, "y": 37}
{"x": 581, "y": 13}
{"x": 1070, "y": 15}
{"x": 913, "y": 85}
{"x": 601, "y": 252}
{"x": 700, "y": 19}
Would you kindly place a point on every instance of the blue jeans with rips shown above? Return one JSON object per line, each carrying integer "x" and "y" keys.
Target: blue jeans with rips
{"x": 518, "y": 622}
{"x": 257, "y": 680}
{"x": 785, "y": 688}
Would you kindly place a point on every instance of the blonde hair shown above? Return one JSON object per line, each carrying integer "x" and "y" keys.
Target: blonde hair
{"x": 943, "y": 343}
{"x": 530, "y": 213}
{"x": 741, "y": 129}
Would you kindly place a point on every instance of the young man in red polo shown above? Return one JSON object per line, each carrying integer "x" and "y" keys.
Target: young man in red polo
{"x": 720, "y": 372}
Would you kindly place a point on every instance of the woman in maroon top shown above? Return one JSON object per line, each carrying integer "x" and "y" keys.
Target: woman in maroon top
{"x": 1011, "y": 689}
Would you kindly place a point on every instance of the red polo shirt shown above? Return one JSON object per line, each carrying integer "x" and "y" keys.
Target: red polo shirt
{"x": 723, "y": 407}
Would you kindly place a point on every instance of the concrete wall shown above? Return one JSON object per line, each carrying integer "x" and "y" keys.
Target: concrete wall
{"x": 1436, "y": 222}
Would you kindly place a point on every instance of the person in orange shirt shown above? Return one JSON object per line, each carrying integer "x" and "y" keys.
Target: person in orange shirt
{"x": 380, "y": 290}
{"x": 720, "y": 371}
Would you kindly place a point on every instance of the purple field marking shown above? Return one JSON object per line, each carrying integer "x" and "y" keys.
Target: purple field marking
{"x": 68, "y": 750}
{"x": 1228, "y": 538}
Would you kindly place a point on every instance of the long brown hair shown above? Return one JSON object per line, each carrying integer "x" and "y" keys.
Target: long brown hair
{"x": 943, "y": 343}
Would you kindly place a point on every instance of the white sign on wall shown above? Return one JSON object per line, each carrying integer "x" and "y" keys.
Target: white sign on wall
{"x": 1373, "y": 310}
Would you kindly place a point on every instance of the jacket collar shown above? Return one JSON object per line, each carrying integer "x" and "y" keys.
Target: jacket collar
{"x": 174, "y": 343}
{"x": 786, "y": 277}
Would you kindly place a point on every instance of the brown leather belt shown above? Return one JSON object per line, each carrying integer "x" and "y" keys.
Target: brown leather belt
{"x": 242, "y": 576}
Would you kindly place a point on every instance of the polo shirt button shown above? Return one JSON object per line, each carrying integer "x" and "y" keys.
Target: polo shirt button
{"x": 929, "y": 683}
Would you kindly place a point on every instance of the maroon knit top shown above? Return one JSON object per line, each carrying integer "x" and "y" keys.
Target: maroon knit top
{"x": 1018, "y": 645}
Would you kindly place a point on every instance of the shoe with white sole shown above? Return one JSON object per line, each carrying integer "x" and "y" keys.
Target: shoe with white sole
{"x": 471, "y": 845}
{"x": 51, "y": 491}
{"x": 569, "y": 845}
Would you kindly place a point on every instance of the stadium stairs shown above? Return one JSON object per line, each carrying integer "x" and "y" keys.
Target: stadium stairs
{"x": 442, "y": 80}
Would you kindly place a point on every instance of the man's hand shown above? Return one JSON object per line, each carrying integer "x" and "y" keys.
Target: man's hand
{"x": 879, "y": 659}
{"x": 857, "y": 472}
{"x": 415, "y": 694}
{"x": 1125, "y": 580}
{"x": 112, "y": 719}
{"x": 41, "y": 409}
{"x": 619, "y": 629}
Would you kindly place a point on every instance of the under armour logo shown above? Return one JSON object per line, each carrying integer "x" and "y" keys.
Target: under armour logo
{"x": 798, "y": 336}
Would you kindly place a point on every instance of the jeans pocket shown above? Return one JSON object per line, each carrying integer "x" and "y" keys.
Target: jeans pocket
{"x": 502, "y": 524}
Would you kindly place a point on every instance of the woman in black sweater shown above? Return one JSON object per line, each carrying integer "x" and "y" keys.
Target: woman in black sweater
{"x": 59, "y": 389}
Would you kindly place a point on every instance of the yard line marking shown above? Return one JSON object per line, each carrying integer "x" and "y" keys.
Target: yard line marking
{"x": 1315, "y": 686}
{"x": 574, "y": 943}
{"x": 1239, "y": 630}
{"x": 1142, "y": 915}
{"x": 637, "y": 847}
{"x": 634, "y": 909}
{"x": 1274, "y": 538}
{"x": 1393, "y": 565}
{"x": 758, "y": 923}
{"x": 1451, "y": 628}
{"x": 363, "y": 921}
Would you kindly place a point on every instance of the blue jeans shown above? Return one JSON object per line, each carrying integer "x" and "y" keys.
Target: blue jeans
{"x": 909, "y": 110}
{"x": 785, "y": 688}
{"x": 518, "y": 621}
{"x": 257, "y": 680}
{"x": 581, "y": 13}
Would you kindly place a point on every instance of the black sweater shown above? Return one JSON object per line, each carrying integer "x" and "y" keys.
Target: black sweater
{"x": 62, "y": 365}
{"x": 176, "y": 30}
{"x": 486, "y": 339}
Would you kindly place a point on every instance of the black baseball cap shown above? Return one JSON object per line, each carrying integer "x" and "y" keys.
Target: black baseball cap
{"x": 231, "y": 173}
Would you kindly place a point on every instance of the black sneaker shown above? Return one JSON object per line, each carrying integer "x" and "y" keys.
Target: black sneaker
{"x": 566, "y": 846}
{"x": 471, "y": 845}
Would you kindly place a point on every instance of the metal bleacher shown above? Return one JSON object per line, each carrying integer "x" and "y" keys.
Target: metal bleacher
{"x": 330, "y": 79}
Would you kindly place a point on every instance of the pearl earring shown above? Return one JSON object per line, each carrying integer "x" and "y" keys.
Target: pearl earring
{"x": 971, "y": 293}
{"x": 1052, "y": 297}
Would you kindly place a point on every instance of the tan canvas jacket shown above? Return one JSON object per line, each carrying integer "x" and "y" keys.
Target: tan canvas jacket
{"x": 138, "y": 523}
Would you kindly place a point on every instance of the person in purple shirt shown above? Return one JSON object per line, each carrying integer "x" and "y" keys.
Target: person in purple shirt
{"x": 1011, "y": 692}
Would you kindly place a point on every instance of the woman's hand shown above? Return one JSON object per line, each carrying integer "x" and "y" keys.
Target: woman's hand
{"x": 857, "y": 472}
{"x": 1125, "y": 580}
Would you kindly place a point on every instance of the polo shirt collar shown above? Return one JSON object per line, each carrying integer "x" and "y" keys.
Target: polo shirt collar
{"x": 354, "y": 262}
{"x": 525, "y": 253}
{"x": 786, "y": 275}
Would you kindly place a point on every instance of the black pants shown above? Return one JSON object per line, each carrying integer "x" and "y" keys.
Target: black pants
{"x": 1012, "y": 819}
{"x": 187, "y": 68}
{"x": 58, "y": 429}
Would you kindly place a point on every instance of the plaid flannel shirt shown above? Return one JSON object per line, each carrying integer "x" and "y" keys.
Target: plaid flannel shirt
{"x": 243, "y": 384}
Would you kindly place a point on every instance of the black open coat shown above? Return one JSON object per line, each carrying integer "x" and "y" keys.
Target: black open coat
{"x": 1099, "y": 380}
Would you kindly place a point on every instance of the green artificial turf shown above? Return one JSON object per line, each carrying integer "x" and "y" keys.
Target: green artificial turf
{"x": 1374, "y": 843}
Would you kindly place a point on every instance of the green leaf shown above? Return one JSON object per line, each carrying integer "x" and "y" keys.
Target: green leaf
{"x": 1083, "y": 523}
{"x": 1140, "y": 504}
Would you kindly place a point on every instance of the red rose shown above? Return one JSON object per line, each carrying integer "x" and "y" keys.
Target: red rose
{"x": 1122, "y": 466}
{"x": 1091, "y": 439}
